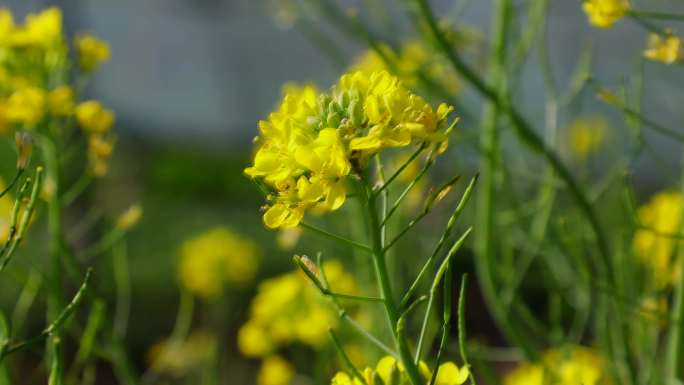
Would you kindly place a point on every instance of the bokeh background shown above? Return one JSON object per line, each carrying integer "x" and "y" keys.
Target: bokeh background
{"x": 189, "y": 79}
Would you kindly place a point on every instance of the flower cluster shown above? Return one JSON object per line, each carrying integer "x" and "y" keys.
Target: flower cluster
{"x": 653, "y": 243}
{"x": 565, "y": 366}
{"x": 665, "y": 49}
{"x": 215, "y": 258}
{"x": 389, "y": 372}
{"x": 315, "y": 140}
{"x": 35, "y": 90}
{"x": 289, "y": 309}
{"x": 605, "y": 13}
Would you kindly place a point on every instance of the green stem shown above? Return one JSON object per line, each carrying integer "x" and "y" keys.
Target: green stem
{"x": 55, "y": 282}
{"x": 386, "y": 292}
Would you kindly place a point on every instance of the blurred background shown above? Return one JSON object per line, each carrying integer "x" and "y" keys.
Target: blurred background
{"x": 189, "y": 79}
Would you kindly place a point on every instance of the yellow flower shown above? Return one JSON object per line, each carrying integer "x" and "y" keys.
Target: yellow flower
{"x": 289, "y": 309}
{"x": 91, "y": 52}
{"x": 604, "y": 13}
{"x": 587, "y": 134}
{"x": 564, "y": 366}
{"x": 94, "y": 118}
{"x": 307, "y": 147}
{"x": 43, "y": 29}
{"x": 99, "y": 150}
{"x": 275, "y": 371}
{"x": 130, "y": 217}
{"x": 411, "y": 58}
{"x": 6, "y": 204}
{"x": 666, "y": 49}
{"x": 61, "y": 101}
{"x": 26, "y": 106}
{"x": 215, "y": 258}
{"x": 660, "y": 216}
{"x": 179, "y": 357}
{"x": 387, "y": 368}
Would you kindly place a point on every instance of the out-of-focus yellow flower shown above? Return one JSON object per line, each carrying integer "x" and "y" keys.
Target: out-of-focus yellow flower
{"x": 91, "y": 52}
{"x": 565, "y": 366}
{"x": 587, "y": 134}
{"x": 604, "y": 13}
{"x": 388, "y": 367}
{"x": 130, "y": 217}
{"x": 26, "y": 106}
{"x": 411, "y": 58}
{"x": 181, "y": 357}
{"x": 94, "y": 118}
{"x": 288, "y": 238}
{"x": 307, "y": 147}
{"x": 6, "y": 204}
{"x": 61, "y": 101}
{"x": 215, "y": 258}
{"x": 100, "y": 148}
{"x": 666, "y": 49}
{"x": 42, "y": 29}
{"x": 654, "y": 244}
{"x": 289, "y": 309}
{"x": 275, "y": 371}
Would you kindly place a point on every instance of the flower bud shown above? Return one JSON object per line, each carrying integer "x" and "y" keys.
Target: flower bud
{"x": 24, "y": 144}
{"x": 129, "y": 218}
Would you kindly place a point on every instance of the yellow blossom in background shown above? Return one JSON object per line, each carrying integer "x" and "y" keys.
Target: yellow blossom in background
{"x": 215, "y": 258}
{"x": 411, "y": 58}
{"x": 100, "y": 148}
{"x": 43, "y": 29}
{"x": 91, "y": 52}
{"x": 94, "y": 118}
{"x": 180, "y": 357}
{"x": 307, "y": 147}
{"x": 666, "y": 49}
{"x": 275, "y": 371}
{"x": 61, "y": 101}
{"x": 604, "y": 13}
{"x": 587, "y": 134}
{"x": 6, "y": 204}
{"x": 289, "y": 309}
{"x": 288, "y": 238}
{"x": 565, "y": 366}
{"x": 387, "y": 368}
{"x": 130, "y": 217}
{"x": 661, "y": 217}
{"x": 26, "y": 106}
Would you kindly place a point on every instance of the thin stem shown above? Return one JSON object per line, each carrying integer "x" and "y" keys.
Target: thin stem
{"x": 527, "y": 135}
{"x": 462, "y": 326}
{"x": 384, "y": 284}
{"x": 445, "y": 235}
{"x": 14, "y": 181}
{"x": 345, "y": 357}
{"x": 335, "y": 237}
{"x": 400, "y": 169}
{"x": 658, "y": 15}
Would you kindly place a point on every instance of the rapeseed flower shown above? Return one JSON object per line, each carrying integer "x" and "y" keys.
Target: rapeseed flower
{"x": 94, "y": 118}
{"x": 587, "y": 134}
{"x": 91, "y": 52}
{"x": 314, "y": 141}
{"x": 389, "y": 372}
{"x": 61, "y": 101}
{"x": 411, "y": 58}
{"x": 289, "y": 309}
{"x": 26, "y": 106}
{"x": 665, "y": 49}
{"x": 275, "y": 371}
{"x": 654, "y": 244}
{"x": 605, "y": 13}
{"x": 565, "y": 366}
{"x": 216, "y": 258}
